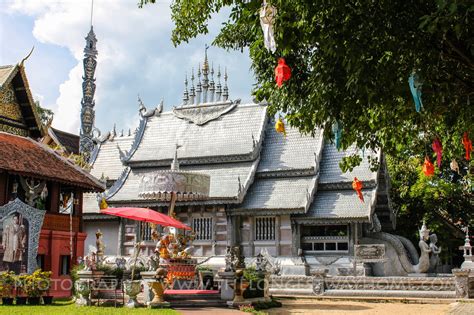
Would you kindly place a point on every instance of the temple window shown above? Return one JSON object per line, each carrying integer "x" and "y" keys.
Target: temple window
{"x": 147, "y": 231}
{"x": 325, "y": 239}
{"x": 64, "y": 266}
{"x": 265, "y": 228}
{"x": 203, "y": 228}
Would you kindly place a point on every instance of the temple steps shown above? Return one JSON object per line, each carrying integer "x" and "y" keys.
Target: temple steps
{"x": 195, "y": 300}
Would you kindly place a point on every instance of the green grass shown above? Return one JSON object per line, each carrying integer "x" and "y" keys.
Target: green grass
{"x": 62, "y": 307}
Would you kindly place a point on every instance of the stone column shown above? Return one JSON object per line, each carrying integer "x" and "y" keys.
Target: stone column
{"x": 120, "y": 237}
{"x": 252, "y": 235}
{"x": 214, "y": 230}
{"x": 296, "y": 237}
{"x": 461, "y": 278}
{"x": 277, "y": 234}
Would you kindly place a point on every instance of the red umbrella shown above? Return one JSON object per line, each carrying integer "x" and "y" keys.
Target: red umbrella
{"x": 146, "y": 215}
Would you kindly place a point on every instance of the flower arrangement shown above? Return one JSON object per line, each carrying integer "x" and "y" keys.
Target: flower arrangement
{"x": 7, "y": 283}
{"x": 35, "y": 284}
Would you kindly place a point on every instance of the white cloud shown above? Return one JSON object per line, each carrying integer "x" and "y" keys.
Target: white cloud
{"x": 135, "y": 57}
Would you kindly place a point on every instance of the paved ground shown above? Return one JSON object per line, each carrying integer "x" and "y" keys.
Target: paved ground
{"x": 366, "y": 308}
{"x": 208, "y": 311}
{"x": 305, "y": 306}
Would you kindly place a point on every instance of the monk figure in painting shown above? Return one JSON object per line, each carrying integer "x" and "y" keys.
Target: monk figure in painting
{"x": 14, "y": 243}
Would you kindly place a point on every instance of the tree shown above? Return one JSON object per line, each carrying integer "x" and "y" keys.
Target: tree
{"x": 350, "y": 64}
{"x": 45, "y": 115}
{"x": 445, "y": 201}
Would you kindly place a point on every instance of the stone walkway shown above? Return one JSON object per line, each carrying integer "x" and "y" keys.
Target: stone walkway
{"x": 358, "y": 308}
{"x": 461, "y": 309}
{"x": 308, "y": 306}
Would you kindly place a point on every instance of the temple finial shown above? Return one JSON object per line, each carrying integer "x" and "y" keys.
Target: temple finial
{"x": 129, "y": 132}
{"x": 186, "y": 93}
{"x": 205, "y": 73}
{"x": 199, "y": 86}
{"x": 193, "y": 91}
{"x": 212, "y": 87}
{"x": 225, "y": 94}
{"x": 219, "y": 86}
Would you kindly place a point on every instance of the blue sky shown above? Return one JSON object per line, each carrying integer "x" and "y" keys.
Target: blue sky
{"x": 135, "y": 57}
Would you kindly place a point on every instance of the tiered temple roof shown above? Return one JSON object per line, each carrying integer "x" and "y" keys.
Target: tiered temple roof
{"x": 253, "y": 169}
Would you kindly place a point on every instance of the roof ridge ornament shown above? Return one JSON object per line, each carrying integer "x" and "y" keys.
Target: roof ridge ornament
{"x": 186, "y": 93}
{"x": 192, "y": 95}
{"x": 175, "y": 163}
{"x": 219, "y": 86}
{"x": 225, "y": 94}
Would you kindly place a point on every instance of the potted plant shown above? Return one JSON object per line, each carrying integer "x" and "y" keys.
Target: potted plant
{"x": 256, "y": 283}
{"x": 206, "y": 277}
{"x": 7, "y": 282}
{"x": 31, "y": 286}
{"x": 20, "y": 280}
{"x": 44, "y": 285}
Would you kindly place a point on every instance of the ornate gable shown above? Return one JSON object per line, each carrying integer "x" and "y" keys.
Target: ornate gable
{"x": 17, "y": 109}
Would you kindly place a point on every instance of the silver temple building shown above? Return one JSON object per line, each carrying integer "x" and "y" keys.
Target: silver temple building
{"x": 283, "y": 194}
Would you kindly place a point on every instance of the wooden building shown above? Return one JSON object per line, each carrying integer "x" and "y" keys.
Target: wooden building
{"x": 33, "y": 175}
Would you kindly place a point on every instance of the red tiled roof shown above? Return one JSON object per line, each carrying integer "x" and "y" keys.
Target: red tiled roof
{"x": 29, "y": 158}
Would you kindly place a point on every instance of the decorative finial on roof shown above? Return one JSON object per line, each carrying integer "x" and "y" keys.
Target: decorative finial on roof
{"x": 219, "y": 86}
{"x": 205, "y": 80}
{"x": 121, "y": 133}
{"x": 129, "y": 132}
{"x": 186, "y": 93}
{"x": 141, "y": 106}
{"x": 212, "y": 87}
{"x": 193, "y": 91}
{"x": 175, "y": 163}
{"x": 160, "y": 106}
{"x": 199, "y": 86}
{"x": 27, "y": 56}
{"x": 225, "y": 94}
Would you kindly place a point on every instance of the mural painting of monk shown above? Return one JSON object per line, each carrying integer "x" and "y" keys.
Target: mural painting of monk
{"x": 14, "y": 240}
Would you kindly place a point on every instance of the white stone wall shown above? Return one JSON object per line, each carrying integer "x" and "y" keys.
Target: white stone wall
{"x": 109, "y": 230}
{"x": 282, "y": 244}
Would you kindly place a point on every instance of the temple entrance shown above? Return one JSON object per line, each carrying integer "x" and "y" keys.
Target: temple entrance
{"x": 325, "y": 239}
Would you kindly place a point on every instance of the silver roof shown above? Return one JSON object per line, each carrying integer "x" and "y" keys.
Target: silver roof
{"x": 293, "y": 195}
{"x": 342, "y": 204}
{"x": 231, "y": 137}
{"x": 108, "y": 160}
{"x": 330, "y": 172}
{"x": 229, "y": 181}
{"x": 290, "y": 153}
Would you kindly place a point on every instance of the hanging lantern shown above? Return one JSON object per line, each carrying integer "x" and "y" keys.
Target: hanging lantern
{"x": 438, "y": 149}
{"x": 428, "y": 168}
{"x": 467, "y": 143}
{"x": 415, "y": 88}
{"x": 267, "y": 21}
{"x": 103, "y": 204}
{"x": 357, "y": 186}
{"x": 337, "y": 131}
{"x": 280, "y": 126}
{"x": 454, "y": 166}
{"x": 282, "y": 72}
